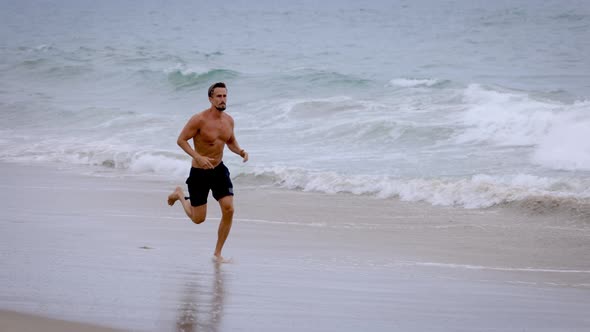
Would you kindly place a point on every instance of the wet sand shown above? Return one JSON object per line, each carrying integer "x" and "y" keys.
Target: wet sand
{"x": 109, "y": 251}
{"x": 14, "y": 321}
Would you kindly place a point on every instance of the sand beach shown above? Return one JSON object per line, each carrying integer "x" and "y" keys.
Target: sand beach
{"x": 108, "y": 251}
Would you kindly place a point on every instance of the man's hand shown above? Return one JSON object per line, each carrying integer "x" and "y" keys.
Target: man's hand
{"x": 204, "y": 162}
{"x": 244, "y": 155}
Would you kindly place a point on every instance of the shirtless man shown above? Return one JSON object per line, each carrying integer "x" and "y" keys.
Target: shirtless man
{"x": 211, "y": 130}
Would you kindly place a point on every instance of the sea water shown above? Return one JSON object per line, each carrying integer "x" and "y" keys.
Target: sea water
{"x": 460, "y": 103}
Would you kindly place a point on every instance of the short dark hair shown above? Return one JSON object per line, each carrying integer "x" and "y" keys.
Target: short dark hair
{"x": 216, "y": 85}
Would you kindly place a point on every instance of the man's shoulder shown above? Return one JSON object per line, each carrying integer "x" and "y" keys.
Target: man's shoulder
{"x": 200, "y": 115}
{"x": 227, "y": 117}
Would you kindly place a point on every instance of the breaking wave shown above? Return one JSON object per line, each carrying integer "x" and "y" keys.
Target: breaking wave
{"x": 477, "y": 191}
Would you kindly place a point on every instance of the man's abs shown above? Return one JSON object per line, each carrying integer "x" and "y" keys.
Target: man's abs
{"x": 209, "y": 150}
{"x": 214, "y": 162}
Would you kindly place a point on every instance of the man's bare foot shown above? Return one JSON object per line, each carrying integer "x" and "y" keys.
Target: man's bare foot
{"x": 176, "y": 195}
{"x": 218, "y": 259}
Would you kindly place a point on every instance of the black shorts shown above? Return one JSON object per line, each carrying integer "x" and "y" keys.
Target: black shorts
{"x": 200, "y": 181}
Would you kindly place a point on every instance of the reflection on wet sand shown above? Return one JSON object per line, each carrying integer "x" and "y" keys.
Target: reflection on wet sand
{"x": 201, "y": 310}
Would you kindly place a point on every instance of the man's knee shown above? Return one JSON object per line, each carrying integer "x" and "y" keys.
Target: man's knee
{"x": 226, "y": 205}
{"x": 198, "y": 215}
{"x": 227, "y": 209}
{"x": 198, "y": 219}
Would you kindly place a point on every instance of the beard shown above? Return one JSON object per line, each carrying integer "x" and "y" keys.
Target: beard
{"x": 220, "y": 108}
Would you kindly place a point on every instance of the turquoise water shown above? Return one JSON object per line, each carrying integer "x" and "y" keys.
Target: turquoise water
{"x": 454, "y": 103}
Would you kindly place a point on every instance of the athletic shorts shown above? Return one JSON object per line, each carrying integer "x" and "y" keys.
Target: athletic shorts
{"x": 200, "y": 181}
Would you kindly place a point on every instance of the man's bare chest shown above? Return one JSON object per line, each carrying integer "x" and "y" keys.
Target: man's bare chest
{"x": 213, "y": 132}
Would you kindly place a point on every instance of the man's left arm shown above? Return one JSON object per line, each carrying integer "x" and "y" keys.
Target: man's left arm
{"x": 234, "y": 147}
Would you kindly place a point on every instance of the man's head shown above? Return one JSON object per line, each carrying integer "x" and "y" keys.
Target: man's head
{"x": 218, "y": 96}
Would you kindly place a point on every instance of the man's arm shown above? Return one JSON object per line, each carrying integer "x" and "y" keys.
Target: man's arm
{"x": 189, "y": 131}
{"x": 233, "y": 146}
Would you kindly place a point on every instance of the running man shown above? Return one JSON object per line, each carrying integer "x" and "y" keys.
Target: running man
{"x": 211, "y": 130}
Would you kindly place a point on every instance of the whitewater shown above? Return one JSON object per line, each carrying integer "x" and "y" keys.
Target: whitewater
{"x": 451, "y": 103}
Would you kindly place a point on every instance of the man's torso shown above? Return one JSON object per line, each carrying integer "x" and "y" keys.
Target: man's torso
{"x": 212, "y": 135}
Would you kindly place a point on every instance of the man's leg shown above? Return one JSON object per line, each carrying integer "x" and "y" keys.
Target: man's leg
{"x": 196, "y": 213}
{"x": 227, "y": 213}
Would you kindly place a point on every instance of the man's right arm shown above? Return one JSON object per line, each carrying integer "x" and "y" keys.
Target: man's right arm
{"x": 189, "y": 131}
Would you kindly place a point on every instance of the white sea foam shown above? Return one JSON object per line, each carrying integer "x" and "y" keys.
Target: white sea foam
{"x": 477, "y": 191}
{"x": 493, "y": 268}
{"x": 566, "y": 144}
{"x": 185, "y": 70}
{"x": 413, "y": 82}
{"x": 503, "y": 118}
{"x": 109, "y": 153}
{"x": 43, "y": 48}
{"x": 162, "y": 164}
{"x": 558, "y": 132}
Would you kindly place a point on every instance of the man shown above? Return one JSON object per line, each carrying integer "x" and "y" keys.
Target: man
{"x": 211, "y": 130}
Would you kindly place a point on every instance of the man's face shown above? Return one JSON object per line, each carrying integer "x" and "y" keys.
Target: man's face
{"x": 219, "y": 99}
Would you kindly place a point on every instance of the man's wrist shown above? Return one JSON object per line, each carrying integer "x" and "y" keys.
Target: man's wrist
{"x": 242, "y": 153}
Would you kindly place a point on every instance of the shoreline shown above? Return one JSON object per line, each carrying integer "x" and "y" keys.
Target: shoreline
{"x": 23, "y": 322}
{"x": 109, "y": 249}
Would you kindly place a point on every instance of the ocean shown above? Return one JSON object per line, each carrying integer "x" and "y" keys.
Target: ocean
{"x": 456, "y": 103}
